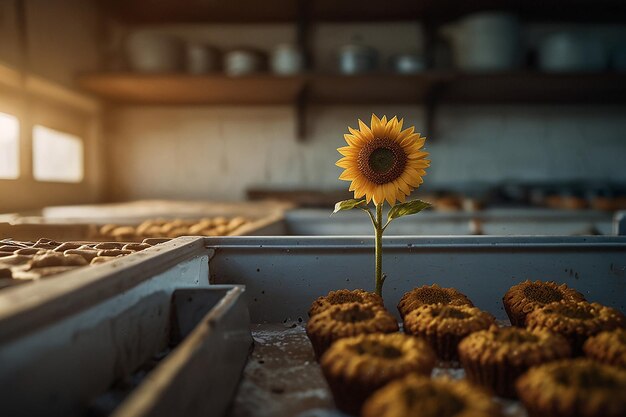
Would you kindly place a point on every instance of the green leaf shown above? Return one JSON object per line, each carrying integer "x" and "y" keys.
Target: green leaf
{"x": 404, "y": 209}
{"x": 349, "y": 205}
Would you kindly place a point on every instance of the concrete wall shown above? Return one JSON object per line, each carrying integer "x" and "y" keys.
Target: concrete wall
{"x": 217, "y": 153}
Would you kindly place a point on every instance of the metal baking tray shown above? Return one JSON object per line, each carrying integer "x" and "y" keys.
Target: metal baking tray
{"x": 296, "y": 270}
{"x": 284, "y": 275}
{"x": 143, "y": 335}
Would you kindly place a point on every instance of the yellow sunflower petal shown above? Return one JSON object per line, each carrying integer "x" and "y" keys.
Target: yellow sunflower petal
{"x": 348, "y": 151}
{"x": 366, "y": 132}
{"x": 419, "y": 161}
{"x": 393, "y": 128}
{"x": 345, "y": 162}
{"x": 405, "y": 134}
{"x": 379, "y": 195}
{"x": 358, "y": 183}
{"x": 349, "y": 174}
{"x": 417, "y": 172}
{"x": 363, "y": 137}
{"x": 411, "y": 180}
{"x": 403, "y": 186}
{"x": 390, "y": 193}
{"x": 378, "y": 126}
{"x": 351, "y": 140}
{"x": 358, "y": 192}
{"x": 417, "y": 155}
{"x": 412, "y": 140}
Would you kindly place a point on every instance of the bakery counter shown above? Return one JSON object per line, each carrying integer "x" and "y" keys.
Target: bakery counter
{"x": 170, "y": 327}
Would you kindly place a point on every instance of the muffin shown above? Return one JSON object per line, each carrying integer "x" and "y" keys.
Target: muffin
{"x": 343, "y": 297}
{"x": 416, "y": 395}
{"x": 578, "y": 388}
{"x": 431, "y": 294}
{"x": 607, "y": 347}
{"x": 344, "y": 320}
{"x": 495, "y": 358}
{"x": 355, "y": 367}
{"x": 527, "y": 296}
{"x": 576, "y": 321}
{"x": 444, "y": 327}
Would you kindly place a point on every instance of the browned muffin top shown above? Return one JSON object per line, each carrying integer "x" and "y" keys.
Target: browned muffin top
{"x": 580, "y": 386}
{"x": 576, "y": 317}
{"x": 440, "y": 318}
{"x": 350, "y": 319}
{"x": 542, "y": 293}
{"x": 343, "y": 297}
{"x": 431, "y": 294}
{"x": 378, "y": 357}
{"x": 528, "y": 296}
{"x": 608, "y": 347}
{"x": 420, "y": 396}
{"x": 514, "y": 345}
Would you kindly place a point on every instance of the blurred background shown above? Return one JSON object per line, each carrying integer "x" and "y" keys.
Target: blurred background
{"x": 523, "y": 102}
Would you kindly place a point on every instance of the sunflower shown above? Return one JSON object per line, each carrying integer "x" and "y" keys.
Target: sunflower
{"x": 383, "y": 162}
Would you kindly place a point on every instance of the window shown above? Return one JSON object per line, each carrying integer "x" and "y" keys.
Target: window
{"x": 9, "y": 146}
{"x": 57, "y": 156}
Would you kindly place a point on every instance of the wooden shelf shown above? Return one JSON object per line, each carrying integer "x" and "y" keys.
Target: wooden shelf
{"x": 534, "y": 87}
{"x": 450, "y": 87}
{"x": 181, "y": 89}
{"x": 251, "y": 11}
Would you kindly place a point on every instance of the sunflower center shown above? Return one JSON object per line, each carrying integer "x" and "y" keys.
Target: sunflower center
{"x": 382, "y": 160}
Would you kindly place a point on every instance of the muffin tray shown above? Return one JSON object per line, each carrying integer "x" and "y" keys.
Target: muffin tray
{"x": 282, "y": 377}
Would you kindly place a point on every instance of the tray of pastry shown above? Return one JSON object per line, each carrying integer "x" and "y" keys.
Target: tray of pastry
{"x": 309, "y": 363}
{"x": 22, "y": 262}
{"x": 138, "y": 220}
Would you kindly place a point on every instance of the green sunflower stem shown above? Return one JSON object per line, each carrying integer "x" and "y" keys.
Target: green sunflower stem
{"x": 378, "y": 227}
